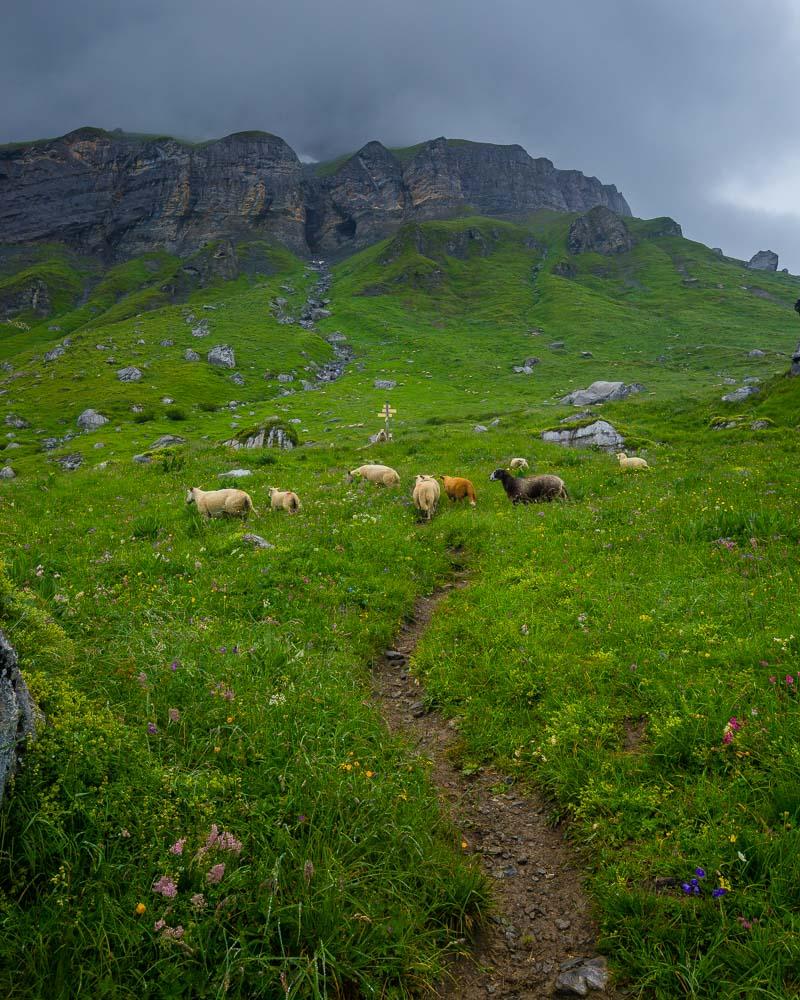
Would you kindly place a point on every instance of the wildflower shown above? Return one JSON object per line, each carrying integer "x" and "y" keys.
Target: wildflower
{"x": 166, "y": 887}
{"x": 700, "y": 873}
{"x": 308, "y": 871}
{"x": 177, "y": 847}
{"x": 198, "y": 901}
{"x": 159, "y": 924}
{"x": 369, "y": 774}
{"x": 302, "y": 818}
{"x": 176, "y": 933}
{"x": 140, "y": 909}
{"x": 227, "y": 842}
{"x": 719, "y": 892}
{"x": 686, "y": 888}
{"x": 789, "y": 679}
{"x": 142, "y": 678}
{"x": 216, "y": 874}
{"x": 174, "y": 665}
{"x": 152, "y": 728}
{"x": 464, "y": 845}
{"x": 174, "y": 715}
{"x": 124, "y": 833}
{"x": 229, "y": 720}
{"x": 773, "y": 680}
{"x": 217, "y": 749}
{"x": 747, "y": 924}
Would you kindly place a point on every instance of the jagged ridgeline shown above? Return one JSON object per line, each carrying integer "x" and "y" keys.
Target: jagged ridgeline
{"x": 121, "y": 195}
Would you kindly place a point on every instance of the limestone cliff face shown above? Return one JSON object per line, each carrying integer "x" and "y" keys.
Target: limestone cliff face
{"x": 121, "y": 195}
{"x": 101, "y": 192}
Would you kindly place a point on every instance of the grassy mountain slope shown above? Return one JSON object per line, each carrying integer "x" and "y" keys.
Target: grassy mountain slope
{"x": 600, "y": 652}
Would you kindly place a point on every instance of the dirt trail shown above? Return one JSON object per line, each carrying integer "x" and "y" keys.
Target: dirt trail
{"x": 542, "y": 917}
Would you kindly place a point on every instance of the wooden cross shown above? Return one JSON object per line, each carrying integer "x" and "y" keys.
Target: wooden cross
{"x": 387, "y": 412}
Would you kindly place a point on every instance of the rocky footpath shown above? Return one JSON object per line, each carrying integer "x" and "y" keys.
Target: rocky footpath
{"x": 120, "y": 195}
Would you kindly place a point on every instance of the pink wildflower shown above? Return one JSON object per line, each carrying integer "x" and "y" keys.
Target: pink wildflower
{"x": 159, "y": 924}
{"x": 227, "y": 842}
{"x": 174, "y": 715}
{"x": 198, "y": 901}
{"x": 214, "y": 877}
{"x": 176, "y": 933}
{"x": 177, "y": 847}
{"x": 773, "y": 680}
{"x": 166, "y": 886}
{"x": 789, "y": 679}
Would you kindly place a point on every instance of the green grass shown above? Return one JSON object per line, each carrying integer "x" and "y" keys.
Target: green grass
{"x": 599, "y": 652}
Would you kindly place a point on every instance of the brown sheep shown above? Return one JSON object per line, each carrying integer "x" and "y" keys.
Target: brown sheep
{"x": 457, "y": 488}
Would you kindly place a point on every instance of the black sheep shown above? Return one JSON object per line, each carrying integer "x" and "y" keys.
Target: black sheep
{"x": 531, "y": 489}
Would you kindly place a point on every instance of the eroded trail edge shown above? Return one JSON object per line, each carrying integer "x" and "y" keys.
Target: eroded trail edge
{"x": 540, "y": 939}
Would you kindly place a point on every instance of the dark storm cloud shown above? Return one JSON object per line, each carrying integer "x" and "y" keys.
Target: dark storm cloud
{"x": 687, "y": 107}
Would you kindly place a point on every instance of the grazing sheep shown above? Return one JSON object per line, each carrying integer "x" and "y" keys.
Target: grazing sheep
{"x": 426, "y": 495}
{"x": 631, "y": 463}
{"x": 284, "y": 500}
{"x": 518, "y": 464}
{"x": 380, "y": 474}
{"x": 215, "y": 503}
{"x": 531, "y": 489}
{"x": 457, "y": 488}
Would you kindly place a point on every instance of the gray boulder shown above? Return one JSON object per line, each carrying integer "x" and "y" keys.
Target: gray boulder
{"x": 579, "y": 975}
{"x": 257, "y": 541}
{"x": 738, "y": 395}
{"x": 90, "y": 420}
{"x": 756, "y": 353}
{"x": 795, "y": 367}
{"x": 190, "y": 355}
{"x": 480, "y": 429}
{"x": 129, "y": 374}
{"x": 384, "y": 383}
{"x": 600, "y": 434}
{"x": 201, "y": 330}
{"x": 55, "y": 353}
{"x": 167, "y": 343}
{"x": 69, "y": 463}
{"x": 7, "y": 473}
{"x": 267, "y": 436}
{"x": 19, "y": 715}
{"x": 14, "y": 421}
{"x": 602, "y": 392}
{"x": 285, "y": 377}
{"x": 222, "y": 356}
{"x": 764, "y": 260}
{"x": 237, "y": 378}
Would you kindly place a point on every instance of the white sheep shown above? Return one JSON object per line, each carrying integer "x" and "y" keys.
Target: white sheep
{"x": 426, "y": 495}
{"x": 284, "y": 500}
{"x": 215, "y": 503}
{"x": 518, "y": 464}
{"x": 380, "y": 474}
{"x": 631, "y": 463}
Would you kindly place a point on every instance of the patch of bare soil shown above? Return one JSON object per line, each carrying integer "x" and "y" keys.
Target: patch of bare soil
{"x": 540, "y": 939}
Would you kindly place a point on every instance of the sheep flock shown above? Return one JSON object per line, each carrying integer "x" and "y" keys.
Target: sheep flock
{"x": 426, "y": 492}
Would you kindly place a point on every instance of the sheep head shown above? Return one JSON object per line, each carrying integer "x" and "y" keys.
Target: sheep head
{"x": 190, "y": 497}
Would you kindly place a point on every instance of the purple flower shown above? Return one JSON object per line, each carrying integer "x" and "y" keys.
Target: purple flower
{"x": 718, "y": 892}
{"x": 159, "y": 925}
{"x": 177, "y": 847}
{"x": 152, "y": 728}
{"x": 214, "y": 877}
{"x": 700, "y": 873}
{"x": 166, "y": 886}
{"x": 174, "y": 665}
{"x": 686, "y": 888}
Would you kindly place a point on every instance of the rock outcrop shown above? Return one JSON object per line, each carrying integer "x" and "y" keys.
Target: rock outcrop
{"x": 764, "y": 260}
{"x": 599, "y": 231}
{"x": 121, "y": 195}
{"x": 18, "y": 713}
{"x": 602, "y": 392}
{"x": 598, "y": 434}
{"x": 90, "y": 420}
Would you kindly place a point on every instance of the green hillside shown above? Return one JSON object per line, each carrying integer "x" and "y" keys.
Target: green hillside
{"x": 602, "y": 648}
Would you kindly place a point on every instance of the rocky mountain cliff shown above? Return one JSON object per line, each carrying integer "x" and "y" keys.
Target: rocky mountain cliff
{"x": 121, "y": 195}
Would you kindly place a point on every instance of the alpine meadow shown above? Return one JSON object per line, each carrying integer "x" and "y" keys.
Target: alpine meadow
{"x": 212, "y": 804}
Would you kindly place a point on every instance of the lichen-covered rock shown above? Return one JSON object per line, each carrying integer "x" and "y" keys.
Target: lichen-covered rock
{"x": 7, "y": 473}
{"x": 599, "y": 434}
{"x": 167, "y": 441}
{"x": 274, "y": 434}
{"x": 579, "y": 975}
{"x": 69, "y": 463}
{"x": 222, "y": 356}
{"x": 764, "y": 260}
{"x": 384, "y": 383}
{"x": 55, "y": 353}
{"x": 19, "y": 715}
{"x": 129, "y": 374}
{"x": 90, "y": 420}
{"x": 257, "y": 541}
{"x": 599, "y": 231}
{"x": 190, "y": 355}
{"x": 14, "y": 421}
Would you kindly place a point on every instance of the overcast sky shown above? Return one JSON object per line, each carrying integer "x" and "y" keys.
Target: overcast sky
{"x": 688, "y": 106}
